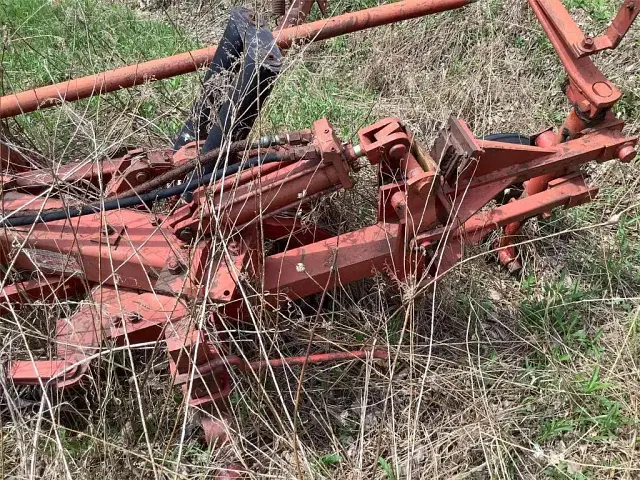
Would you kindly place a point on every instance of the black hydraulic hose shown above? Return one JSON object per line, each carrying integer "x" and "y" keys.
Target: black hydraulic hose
{"x": 146, "y": 198}
{"x": 203, "y": 160}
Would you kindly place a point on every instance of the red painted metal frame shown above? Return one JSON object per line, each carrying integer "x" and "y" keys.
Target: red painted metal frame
{"x": 141, "y": 275}
{"x": 578, "y": 43}
{"x": 589, "y": 89}
{"x": 145, "y": 278}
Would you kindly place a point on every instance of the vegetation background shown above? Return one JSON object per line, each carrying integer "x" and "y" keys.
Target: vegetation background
{"x": 501, "y": 376}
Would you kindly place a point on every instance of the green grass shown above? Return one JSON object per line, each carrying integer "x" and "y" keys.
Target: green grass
{"x": 590, "y": 406}
{"x": 591, "y": 415}
{"x": 562, "y": 471}
{"x": 301, "y": 97}
{"x": 602, "y": 11}
{"x": 616, "y": 267}
{"x": 51, "y": 42}
{"x": 48, "y": 42}
{"x": 387, "y": 468}
{"x": 327, "y": 463}
{"x": 338, "y": 7}
{"x": 560, "y": 312}
{"x": 86, "y": 36}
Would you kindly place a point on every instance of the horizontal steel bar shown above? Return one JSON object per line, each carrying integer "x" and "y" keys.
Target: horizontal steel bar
{"x": 161, "y": 68}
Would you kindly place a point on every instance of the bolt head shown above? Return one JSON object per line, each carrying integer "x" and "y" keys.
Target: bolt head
{"x": 587, "y": 43}
{"x": 141, "y": 177}
{"x": 174, "y": 266}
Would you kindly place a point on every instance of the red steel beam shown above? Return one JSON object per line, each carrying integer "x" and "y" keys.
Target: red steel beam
{"x": 161, "y": 68}
{"x": 589, "y": 80}
{"x": 303, "y": 271}
{"x": 257, "y": 365}
{"x": 311, "y": 359}
{"x": 363, "y": 19}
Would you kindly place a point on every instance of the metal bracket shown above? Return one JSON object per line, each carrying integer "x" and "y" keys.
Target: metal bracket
{"x": 573, "y": 49}
{"x": 454, "y": 149}
{"x": 581, "y": 45}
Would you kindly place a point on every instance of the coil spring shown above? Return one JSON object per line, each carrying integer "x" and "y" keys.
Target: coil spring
{"x": 278, "y": 7}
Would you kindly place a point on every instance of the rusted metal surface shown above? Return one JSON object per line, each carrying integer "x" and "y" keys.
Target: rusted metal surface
{"x": 11, "y": 159}
{"x": 121, "y": 246}
{"x": 507, "y": 253}
{"x": 46, "y": 288}
{"x": 223, "y": 363}
{"x": 124, "y": 317}
{"x": 145, "y": 272}
{"x": 147, "y": 261}
{"x": 591, "y": 93}
{"x": 292, "y": 230}
{"x": 587, "y": 82}
{"x": 188, "y": 158}
{"x": 360, "y": 20}
{"x": 132, "y": 259}
{"x": 310, "y": 269}
{"x": 161, "y": 68}
{"x": 581, "y": 45}
{"x": 319, "y": 167}
{"x": 114, "y": 175}
{"x": 104, "y": 82}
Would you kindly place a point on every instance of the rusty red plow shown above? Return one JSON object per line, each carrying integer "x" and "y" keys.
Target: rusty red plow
{"x": 197, "y": 235}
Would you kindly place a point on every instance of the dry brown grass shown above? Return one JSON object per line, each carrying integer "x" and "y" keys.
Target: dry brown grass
{"x": 494, "y": 376}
